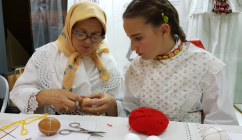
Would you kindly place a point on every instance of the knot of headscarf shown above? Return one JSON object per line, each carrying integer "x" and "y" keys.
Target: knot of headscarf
{"x": 80, "y": 11}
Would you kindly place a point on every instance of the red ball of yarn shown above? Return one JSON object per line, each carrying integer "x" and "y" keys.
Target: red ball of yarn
{"x": 148, "y": 121}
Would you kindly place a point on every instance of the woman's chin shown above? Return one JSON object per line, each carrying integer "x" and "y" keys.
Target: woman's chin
{"x": 84, "y": 52}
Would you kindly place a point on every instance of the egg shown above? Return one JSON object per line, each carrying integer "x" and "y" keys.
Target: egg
{"x": 215, "y": 133}
{"x": 131, "y": 136}
{"x": 153, "y": 138}
{"x": 49, "y": 126}
{"x": 84, "y": 100}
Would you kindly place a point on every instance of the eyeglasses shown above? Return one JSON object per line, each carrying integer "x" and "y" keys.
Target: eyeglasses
{"x": 83, "y": 36}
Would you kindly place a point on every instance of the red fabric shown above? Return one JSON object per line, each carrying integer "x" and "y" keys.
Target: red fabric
{"x": 197, "y": 43}
{"x": 148, "y": 121}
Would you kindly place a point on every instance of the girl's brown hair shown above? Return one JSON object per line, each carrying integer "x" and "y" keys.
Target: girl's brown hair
{"x": 151, "y": 11}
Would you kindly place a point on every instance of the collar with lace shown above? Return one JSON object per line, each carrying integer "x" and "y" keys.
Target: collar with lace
{"x": 170, "y": 54}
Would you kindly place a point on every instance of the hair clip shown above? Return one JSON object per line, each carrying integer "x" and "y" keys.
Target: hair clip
{"x": 165, "y": 18}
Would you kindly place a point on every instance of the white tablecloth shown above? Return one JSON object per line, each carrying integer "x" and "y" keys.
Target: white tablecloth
{"x": 120, "y": 127}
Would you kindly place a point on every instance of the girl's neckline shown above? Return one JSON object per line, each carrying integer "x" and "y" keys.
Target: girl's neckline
{"x": 172, "y": 53}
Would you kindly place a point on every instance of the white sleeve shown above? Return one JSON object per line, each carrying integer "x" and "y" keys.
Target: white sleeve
{"x": 119, "y": 98}
{"x": 130, "y": 102}
{"x": 217, "y": 103}
{"x": 115, "y": 84}
{"x": 26, "y": 88}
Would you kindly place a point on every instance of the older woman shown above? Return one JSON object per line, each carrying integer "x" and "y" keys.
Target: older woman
{"x": 77, "y": 64}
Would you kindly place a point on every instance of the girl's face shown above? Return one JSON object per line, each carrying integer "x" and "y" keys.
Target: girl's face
{"x": 90, "y": 27}
{"x": 147, "y": 41}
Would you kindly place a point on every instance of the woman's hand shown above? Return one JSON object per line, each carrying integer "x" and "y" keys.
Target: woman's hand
{"x": 105, "y": 104}
{"x": 60, "y": 99}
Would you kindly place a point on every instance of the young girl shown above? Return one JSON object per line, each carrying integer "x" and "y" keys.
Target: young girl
{"x": 180, "y": 79}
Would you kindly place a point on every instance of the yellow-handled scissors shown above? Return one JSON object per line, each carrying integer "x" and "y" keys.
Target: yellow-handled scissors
{"x": 81, "y": 130}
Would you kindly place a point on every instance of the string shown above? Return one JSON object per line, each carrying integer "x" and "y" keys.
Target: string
{"x": 23, "y": 122}
{"x": 76, "y": 107}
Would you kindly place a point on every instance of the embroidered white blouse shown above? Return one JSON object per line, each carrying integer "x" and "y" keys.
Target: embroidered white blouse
{"x": 181, "y": 87}
{"x": 45, "y": 70}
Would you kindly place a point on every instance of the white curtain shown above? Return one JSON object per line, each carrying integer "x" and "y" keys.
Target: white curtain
{"x": 71, "y": 2}
{"x": 218, "y": 32}
{"x": 47, "y": 17}
{"x": 238, "y": 86}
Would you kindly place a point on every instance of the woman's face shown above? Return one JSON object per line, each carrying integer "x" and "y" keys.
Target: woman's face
{"x": 146, "y": 40}
{"x": 91, "y": 26}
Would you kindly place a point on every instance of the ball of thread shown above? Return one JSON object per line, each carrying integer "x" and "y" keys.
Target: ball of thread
{"x": 49, "y": 126}
{"x": 148, "y": 121}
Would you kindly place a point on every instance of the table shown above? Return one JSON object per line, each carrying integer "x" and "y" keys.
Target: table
{"x": 120, "y": 127}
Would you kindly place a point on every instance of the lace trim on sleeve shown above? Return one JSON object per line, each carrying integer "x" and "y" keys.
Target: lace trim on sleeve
{"x": 41, "y": 61}
{"x": 113, "y": 82}
{"x": 32, "y": 103}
